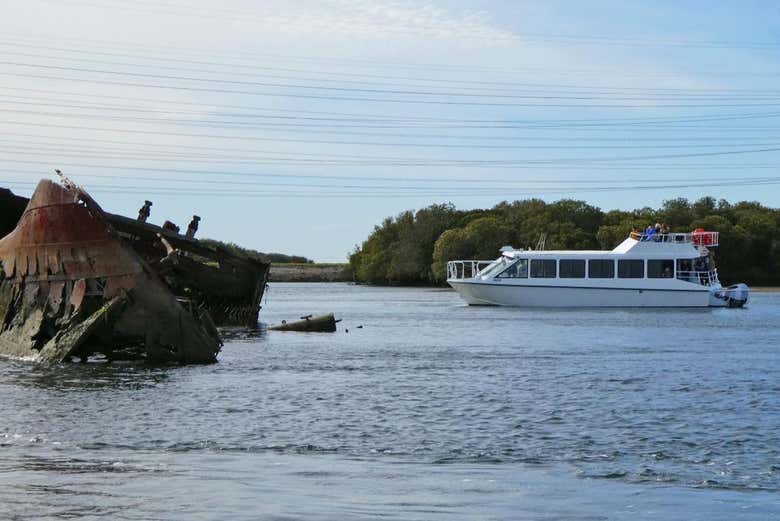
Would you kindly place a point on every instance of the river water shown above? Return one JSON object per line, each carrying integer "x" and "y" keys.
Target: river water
{"x": 430, "y": 410}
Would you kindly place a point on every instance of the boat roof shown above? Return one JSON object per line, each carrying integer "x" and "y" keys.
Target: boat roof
{"x": 628, "y": 248}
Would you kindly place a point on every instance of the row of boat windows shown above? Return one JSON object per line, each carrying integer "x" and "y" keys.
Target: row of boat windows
{"x": 596, "y": 269}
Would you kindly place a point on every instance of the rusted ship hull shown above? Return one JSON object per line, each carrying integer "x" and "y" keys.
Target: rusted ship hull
{"x": 228, "y": 286}
{"x": 71, "y": 287}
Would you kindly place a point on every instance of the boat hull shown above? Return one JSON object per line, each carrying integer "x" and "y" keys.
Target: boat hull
{"x": 70, "y": 287}
{"x": 485, "y": 293}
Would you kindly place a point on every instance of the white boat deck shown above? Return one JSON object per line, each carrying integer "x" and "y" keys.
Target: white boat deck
{"x": 674, "y": 269}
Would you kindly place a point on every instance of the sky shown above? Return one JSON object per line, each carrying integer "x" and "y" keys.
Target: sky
{"x": 296, "y": 127}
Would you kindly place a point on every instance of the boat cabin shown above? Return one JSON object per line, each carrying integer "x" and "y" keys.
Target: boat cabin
{"x": 680, "y": 256}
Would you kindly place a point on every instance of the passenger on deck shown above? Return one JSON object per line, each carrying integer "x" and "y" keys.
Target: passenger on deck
{"x": 664, "y": 232}
{"x": 635, "y": 233}
{"x": 649, "y": 232}
{"x": 701, "y": 268}
{"x": 657, "y": 237}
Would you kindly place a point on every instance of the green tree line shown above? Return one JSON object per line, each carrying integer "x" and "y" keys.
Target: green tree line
{"x": 234, "y": 248}
{"x": 414, "y": 247}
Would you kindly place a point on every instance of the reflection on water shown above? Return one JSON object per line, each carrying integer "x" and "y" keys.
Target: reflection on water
{"x": 431, "y": 410}
{"x": 82, "y": 377}
{"x": 243, "y": 334}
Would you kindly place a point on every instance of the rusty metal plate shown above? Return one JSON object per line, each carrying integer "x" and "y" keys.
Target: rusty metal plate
{"x": 115, "y": 285}
{"x": 55, "y": 295}
{"x": 77, "y": 295}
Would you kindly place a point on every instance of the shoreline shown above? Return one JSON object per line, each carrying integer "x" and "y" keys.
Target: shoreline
{"x": 310, "y": 272}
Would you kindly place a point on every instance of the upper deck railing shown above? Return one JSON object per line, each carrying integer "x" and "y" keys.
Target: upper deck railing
{"x": 697, "y": 238}
{"x": 704, "y": 277}
{"x": 466, "y": 269}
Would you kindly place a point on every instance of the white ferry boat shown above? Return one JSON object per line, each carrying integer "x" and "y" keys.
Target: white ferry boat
{"x": 666, "y": 270}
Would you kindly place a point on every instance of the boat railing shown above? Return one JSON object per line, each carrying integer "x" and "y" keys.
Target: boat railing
{"x": 704, "y": 278}
{"x": 466, "y": 269}
{"x": 695, "y": 238}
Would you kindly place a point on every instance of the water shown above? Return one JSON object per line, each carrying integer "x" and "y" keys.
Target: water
{"x": 431, "y": 410}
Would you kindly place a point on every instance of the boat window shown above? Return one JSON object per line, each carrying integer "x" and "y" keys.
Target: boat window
{"x": 660, "y": 269}
{"x": 601, "y": 269}
{"x": 684, "y": 265}
{"x": 701, "y": 264}
{"x": 497, "y": 267}
{"x": 543, "y": 268}
{"x": 518, "y": 270}
{"x": 631, "y": 269}
{"x": 572, "y": 268}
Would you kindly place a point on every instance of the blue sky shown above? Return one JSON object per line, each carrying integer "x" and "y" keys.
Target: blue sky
{"x": 297, "y": 126}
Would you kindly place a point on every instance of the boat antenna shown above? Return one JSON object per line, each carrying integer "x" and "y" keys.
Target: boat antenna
{"x": 542, "y": 241}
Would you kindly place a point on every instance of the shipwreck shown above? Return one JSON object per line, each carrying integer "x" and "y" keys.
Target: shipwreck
{"x": 77, "y": 282}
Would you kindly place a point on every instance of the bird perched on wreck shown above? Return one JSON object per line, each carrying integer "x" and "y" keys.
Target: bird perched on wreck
{"x": 193, "y": 227}
{"x": 145, "y": 211}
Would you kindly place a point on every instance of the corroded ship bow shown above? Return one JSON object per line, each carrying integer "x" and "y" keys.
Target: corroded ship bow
{"x": 71, "y": 287}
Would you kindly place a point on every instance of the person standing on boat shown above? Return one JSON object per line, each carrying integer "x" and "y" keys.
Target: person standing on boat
{"x": 657, "y": 237}
{"x": 664, "y": 232}
{"x": 649, "y": 232}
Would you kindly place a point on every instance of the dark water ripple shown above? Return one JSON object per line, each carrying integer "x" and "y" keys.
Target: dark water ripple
{"x": 681, "y": 398}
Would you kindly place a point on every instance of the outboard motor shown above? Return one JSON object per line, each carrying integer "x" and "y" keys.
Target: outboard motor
{"x": 737, "y": 295}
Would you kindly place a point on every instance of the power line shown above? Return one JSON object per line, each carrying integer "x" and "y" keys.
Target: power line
{"x": 766, "y": 147}
{"x": 368, "y": 182}
{"x": 366, "y": 99}
{"x": 313, "y": 124}
{"x": 238, "y": 69}
{"x": 177, "y": 191}
{"x": 677, "y": 167}
{"x": 312, "y": 115}
{"x": 235, "y": 158}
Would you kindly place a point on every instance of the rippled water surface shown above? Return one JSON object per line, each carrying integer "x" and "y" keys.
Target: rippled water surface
{"x": 430, "y": 410}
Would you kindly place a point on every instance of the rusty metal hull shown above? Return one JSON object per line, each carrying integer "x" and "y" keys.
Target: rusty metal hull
{"x": 229, "y": 286}
{"x": 70, "y": 287}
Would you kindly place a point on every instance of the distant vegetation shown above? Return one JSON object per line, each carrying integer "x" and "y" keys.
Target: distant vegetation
{"x": 311, "y": 272}
{"x": 414, "y": 247}
{"x": 254, "y": 254}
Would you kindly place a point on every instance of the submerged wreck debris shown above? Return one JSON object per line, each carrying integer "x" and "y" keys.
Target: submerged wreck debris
{"x": 319, "y": 324}
{"x": 229, "y": 286}
{"x": 76, "y": 282}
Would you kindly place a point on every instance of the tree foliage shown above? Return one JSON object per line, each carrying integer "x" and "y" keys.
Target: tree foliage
{"x": 414, "y": 247}
{"x": 254, "y": 254}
